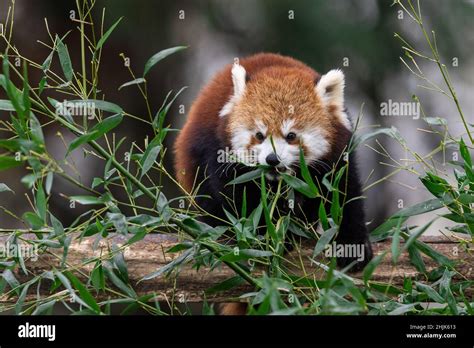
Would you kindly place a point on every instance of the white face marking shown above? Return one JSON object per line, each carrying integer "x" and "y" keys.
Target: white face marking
{"x": 313, "y": 139}
{"x": 261, "y": 127}
{"x": 287, "y": 153}
{"x": 287, "y": 126}
{"x": 241, "y": 137}
{"x": 316, "y": 144}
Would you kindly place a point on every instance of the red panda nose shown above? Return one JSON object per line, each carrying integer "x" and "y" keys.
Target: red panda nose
{"x": 272, "y": 160}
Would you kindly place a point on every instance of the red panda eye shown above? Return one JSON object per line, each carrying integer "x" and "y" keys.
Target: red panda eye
{"x": 290, "y": 136}
{"x": 259, "y": 136}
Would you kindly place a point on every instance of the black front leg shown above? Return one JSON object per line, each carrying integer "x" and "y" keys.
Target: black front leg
{"x": 353, "y": 238}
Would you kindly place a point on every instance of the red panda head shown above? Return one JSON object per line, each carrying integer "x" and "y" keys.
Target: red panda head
{"x": 278, "y": 109}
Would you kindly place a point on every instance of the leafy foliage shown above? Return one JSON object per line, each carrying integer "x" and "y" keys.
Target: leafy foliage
{"x": 278, "y": 289}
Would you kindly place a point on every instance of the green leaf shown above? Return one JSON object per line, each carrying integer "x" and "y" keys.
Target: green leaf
{"x": 41, "y": 205}
{"x": 47, "y": 62}
{"x": 133, "y": 82}
{"x": 57, "y": 106}
{"x": 160, "y": 56}
{"x": 159, "y": 118}
{"x": 391, "y": 132}
{"x": 49, "y": 182}
{"x": 445, "y": 291}
{"x": 255, "y": 217}
{"x": 465, "y": 153}
{"x": 372, "y": 265}
{"x": 106, "y": 35}
{"x": 92, "y": 229}
{"x": 430, "y": 292}
{"x": 21, "y": 299}
{"x": 87, "y": 200}
{"x": 416, "y": 259}
{"x": 7, "y": 162}
{"x": 26, "y": 91}
{"x": 5, "y": 188}
{"x": 305, "y": 173}
{"x": 421, "y": 208}
{"x": 11, "y": 280}
{"x": 6, "y": 105}
{"x": 67, "y": 284}
{"x": 36, "y": 131}
{"x": 119, "y": 283}
{"x": 46, "y": 307}
{"x": 162, "y": 205}
{"x": 185, "y": 256}
{"x": 96, "y": 132}
{"x": 57, "y": 225}
{"x": 402, "y": 309}
{"x": 466, "y": 198}
{"x": 149, "y": 158}
{"x": 335, "y": 209}
{"x": 416, "y": 234}
{"x": 266, "y": 212}
{"x": 385, "y": 229}
{"x": 323, "y": 240}
{"x": 244, "y": 254}
{"x": 138, "y": 236}
{"x": 34, "y": 220}
{"x": 119, "y": 263}
{"x": 323, "y": 216}
{"x": 13, "y": 94}
{"x": 100, "y": 104}
{"x": 243, "y": 211}
{"x": 396, "y": 242}
{"x": 83, "y": 292}
{"x": 119, "y": 222}
{"x": 436, "y": 185}
{"x": 300, "y": 186}
{"x": 83, "y": 139}
{"x": 438, "y": 257}
{"x": 246, "y": 177}
{"x": 435, "y": 121}
{"x": 64, "y": 59}
{"x": 42, "y": 85}
{"x": 97, "y": 276}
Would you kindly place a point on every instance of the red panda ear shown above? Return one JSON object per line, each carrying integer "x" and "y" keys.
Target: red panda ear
{"x": 239, "y": 79}
{"x": 330, "y": 88}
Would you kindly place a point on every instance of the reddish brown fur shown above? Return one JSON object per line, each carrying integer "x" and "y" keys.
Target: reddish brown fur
{"x": 267, "y": 72}
{"x": 275, "y": 83}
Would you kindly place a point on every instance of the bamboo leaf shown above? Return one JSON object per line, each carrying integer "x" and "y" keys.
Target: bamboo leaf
{"x": 64, "y": 59}
{"x": 99, "y": 104}
{"x": 300, "y": 186}
{"x": 249, "y": 176}
{"x": 149, "y": 158}
{"x": 106, "y": 35}
{"x": 160, "y": 56}
{"x": 133, "y": 82}
{"x": 96, "y": 132}
{"x": 5, "y": 188}
{"x": 372, "y": 265}
{"x": 83, "y": 292}
{"x": 6, "y": 105}
{"x": 7, "y": 162}
{"x": 323, "y": 240}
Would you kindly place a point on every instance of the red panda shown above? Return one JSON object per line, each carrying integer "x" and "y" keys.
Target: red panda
{"x": 264, "y": 108}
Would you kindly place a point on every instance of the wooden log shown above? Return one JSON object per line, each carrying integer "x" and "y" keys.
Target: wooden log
{"x": 149, "y": 255}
